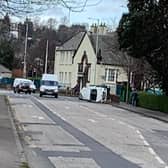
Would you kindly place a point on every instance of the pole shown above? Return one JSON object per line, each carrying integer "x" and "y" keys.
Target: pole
{"x": 46, "y": 59}
{"x": 97, "y": 43}
{"x": 25, "y": 52}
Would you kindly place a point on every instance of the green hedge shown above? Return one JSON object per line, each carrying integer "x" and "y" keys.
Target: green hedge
{"x": 153, "y": 102}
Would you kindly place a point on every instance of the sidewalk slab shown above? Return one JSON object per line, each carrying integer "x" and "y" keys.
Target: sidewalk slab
{"x": 9, "y": 156}
{"x": 146, "y": 112}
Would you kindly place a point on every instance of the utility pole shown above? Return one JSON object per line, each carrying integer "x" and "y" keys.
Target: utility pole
{"x": 46, "y": 58}
{"x": 97, "y": 45}
{"x": 25, "y": 52}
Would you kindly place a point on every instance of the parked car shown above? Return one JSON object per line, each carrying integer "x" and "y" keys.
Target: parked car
{"x": 18, "y": 81}
{"x": 93, "y": 93}
{"x": 32, "y": 87}
{"x": 23, "y": 87}
{"x": 154, "y": 91}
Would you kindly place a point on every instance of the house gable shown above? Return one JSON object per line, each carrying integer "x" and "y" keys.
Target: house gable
{"x": 86, "y": 49}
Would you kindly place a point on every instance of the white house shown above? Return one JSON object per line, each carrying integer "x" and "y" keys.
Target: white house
{"x": 76, "y": 61}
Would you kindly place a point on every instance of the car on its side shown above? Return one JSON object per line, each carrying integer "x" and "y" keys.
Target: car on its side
{"x": 93, "y": 93}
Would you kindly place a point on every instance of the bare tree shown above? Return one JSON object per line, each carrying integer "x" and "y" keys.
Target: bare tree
{"x": 64, "y": 20}
{"x": 112, "y": 24}
{"x": 52, "y": 23}
{"x": 20, "y": 7}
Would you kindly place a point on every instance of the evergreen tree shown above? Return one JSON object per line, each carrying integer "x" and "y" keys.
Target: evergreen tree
{"x": 6, "y": 54}
{"x": 143, "y": 32}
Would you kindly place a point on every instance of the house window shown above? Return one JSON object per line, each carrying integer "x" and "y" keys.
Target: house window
{"x": 61, "y": 76}
{"x": 66, "y": 58}
{"x": 110, "y": 75}
{"x": 65, "y": 81}
{"x": 70, "y": 75}
{"x": 62, "y": 57}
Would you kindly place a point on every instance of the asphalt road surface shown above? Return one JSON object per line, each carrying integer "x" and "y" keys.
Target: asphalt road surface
{"x": 69, "y": 133}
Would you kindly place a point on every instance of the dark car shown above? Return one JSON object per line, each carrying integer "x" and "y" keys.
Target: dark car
{"x": 24, "y": 87}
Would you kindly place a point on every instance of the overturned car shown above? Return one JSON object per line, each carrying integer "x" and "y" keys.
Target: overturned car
{"x": 94, "y": 93}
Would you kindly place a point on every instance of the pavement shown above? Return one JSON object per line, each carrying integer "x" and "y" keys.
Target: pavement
{"x": 9, "y": 153}
{"x": 142, "y": 111}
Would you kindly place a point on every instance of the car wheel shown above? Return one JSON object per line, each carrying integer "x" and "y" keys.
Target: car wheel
{"x": 56, "y": 96}
{"x": 41, "y": 95}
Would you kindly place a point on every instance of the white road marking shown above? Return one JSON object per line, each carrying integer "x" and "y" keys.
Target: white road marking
{"x": 111, "y": 119}
{"x": 159, "y": 160}
{"x": 41, "y": 118}
{"x": 63, "y": 119}
{"x": 130, "y": 126}
{"x": 91, "y": 120}
{"x": 98, "y": 114}
{"x": 138, "y": 132}
{"x": 34, "y": 116}
{"x": 141, "y": 137}
{"x": 67, "y": 107}
{"x": 59, "y": 115}
{"x": 122, "y": 123}
{"x": 151, "y": 151}
{"x": 146, "y": 143}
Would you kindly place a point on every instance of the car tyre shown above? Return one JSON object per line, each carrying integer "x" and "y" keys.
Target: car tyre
{"x": 56, "y": 95}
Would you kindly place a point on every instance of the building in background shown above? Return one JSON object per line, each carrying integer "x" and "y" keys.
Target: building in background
{"x": 4, "y": 72}
{"x": 76, "y": 61}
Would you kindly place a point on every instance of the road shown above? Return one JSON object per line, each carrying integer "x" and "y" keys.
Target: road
{"x": 69, "y": 133}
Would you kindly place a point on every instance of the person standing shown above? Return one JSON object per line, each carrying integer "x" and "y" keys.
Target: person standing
{"x": 134, "y": 97}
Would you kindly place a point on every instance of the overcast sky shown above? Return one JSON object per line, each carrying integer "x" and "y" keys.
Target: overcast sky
{"x": 107, "y": 11}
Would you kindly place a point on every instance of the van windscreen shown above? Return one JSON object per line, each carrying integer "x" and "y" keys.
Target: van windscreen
{"x": 49, "y": 83}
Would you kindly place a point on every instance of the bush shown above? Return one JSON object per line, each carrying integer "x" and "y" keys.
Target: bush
{"x": 153, "y": 102}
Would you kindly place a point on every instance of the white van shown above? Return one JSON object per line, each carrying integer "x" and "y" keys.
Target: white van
{"x": 49, "y": 85}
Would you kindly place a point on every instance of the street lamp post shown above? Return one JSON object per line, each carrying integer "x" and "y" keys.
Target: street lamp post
{"x": 25, "y": 52}
{"x": 46, "y": 58}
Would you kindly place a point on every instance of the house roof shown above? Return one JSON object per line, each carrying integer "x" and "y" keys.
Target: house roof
{"x": 108, "y": 47}
{"x": 4, "y": 69}
{"x": 73, "y": 43}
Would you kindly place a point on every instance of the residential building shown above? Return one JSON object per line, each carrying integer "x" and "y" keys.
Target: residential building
{"x": 4, "y": 72}
{"x": 76, "y": 61}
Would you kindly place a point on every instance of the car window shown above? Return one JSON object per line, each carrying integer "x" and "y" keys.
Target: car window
{"x": 49, "y": 83}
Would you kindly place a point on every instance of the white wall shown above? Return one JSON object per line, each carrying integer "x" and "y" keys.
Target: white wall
{"x": 65, "y": 67}
{"x": 85, "y": 46}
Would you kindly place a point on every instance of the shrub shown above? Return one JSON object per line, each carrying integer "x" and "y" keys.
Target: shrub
{"x": 153, "y": 102}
